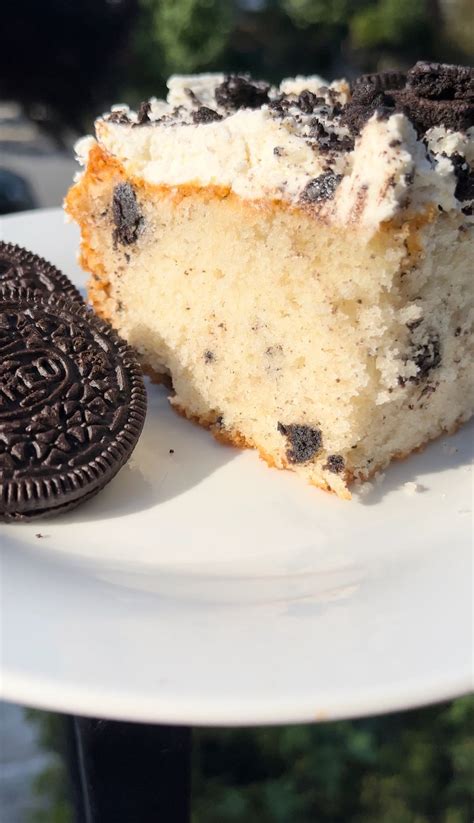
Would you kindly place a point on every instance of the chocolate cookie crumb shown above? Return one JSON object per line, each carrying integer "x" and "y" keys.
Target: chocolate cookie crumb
{"x": 126, "y": 215}
{"x": 209, "y": 356}
{"x": 239, "y": 91}
{"x": 205, "y": 115}
{"x": 335, "y": 463}
{"x": 307, "y": 101}
{"x": 321, "y": 188}
{"x": 120, "y": 117}
{"x": 303, "y": 441}
{"x": 426, "y": 356}
{"x": 143, "y": 115}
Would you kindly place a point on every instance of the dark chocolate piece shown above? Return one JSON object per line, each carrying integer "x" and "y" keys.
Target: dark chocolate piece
{"x": 127, "y": 217}
{"x": 72, "y": 404}
{"x": 304, "y": 442}
{"x": 321, "y": 188}
{"x": 335, "y": 463}
{"x": 20, "y": 268}
{"x": 205, "y": 115}
{"x": 239, "y": 91}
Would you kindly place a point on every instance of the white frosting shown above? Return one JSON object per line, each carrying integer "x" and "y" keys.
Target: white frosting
{"x": 260, "y": 153}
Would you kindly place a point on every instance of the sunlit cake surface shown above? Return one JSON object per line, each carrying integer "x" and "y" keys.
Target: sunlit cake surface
{"x": 297, "y": 261}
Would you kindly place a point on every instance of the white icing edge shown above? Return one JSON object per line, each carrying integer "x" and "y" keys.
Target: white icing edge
{"x": 390, "y": 168}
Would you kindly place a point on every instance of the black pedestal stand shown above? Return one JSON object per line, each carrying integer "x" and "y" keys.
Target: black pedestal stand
{"x": 129, "y": 772}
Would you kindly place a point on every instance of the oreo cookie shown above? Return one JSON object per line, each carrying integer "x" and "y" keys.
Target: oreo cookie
{"x": 72, "y": 404}
{"x": 430, "y": 94}
{"x": 20, "y": 268}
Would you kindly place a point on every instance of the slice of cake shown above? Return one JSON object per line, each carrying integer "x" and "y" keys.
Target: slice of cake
{"x": 297, "y": 261}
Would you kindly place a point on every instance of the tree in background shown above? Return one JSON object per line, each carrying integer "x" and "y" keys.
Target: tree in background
{"x": 274, "y": 38}
{"x": 66, "y": 61}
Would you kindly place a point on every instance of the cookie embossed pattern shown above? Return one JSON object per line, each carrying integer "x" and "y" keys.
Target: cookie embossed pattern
{"x": 19, "y": 268}
{"x": 72, "y": 404}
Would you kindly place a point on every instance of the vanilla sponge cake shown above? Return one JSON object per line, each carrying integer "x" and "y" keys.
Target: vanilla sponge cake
{"x": 297, "y": 262}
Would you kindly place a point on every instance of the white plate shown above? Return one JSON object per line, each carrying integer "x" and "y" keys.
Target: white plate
{"x": 202, "y": 587}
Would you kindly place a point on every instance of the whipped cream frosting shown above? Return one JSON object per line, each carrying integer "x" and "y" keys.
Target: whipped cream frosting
{"x": 296, "y": 143}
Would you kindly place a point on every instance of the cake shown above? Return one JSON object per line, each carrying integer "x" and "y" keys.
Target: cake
{"x": 294, "y": 261}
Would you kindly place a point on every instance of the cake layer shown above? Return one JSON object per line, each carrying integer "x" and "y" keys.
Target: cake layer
{"x": 330, "y": 351}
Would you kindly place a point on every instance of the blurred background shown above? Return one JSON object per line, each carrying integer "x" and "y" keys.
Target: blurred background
{"x": 63, "y": 62}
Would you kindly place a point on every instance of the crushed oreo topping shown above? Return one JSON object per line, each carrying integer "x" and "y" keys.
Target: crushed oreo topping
{"x": 280, "y": 105}
{"x": 430, "y": 94}
{"x": 329, "y": 140}
{"x": 304, "y": 442}
{"x": 335, "y": 463}
{"x": 209, "y": 356}
{"x": 321, "y": 188}
{"x": 127, "y": 217}
{"x": 143, "y": 115}
{"x": 239, "y": 91}
{"x": 205, "y": 115}
{"x": 119, "y": 117}
{"x": 307, "y": 101}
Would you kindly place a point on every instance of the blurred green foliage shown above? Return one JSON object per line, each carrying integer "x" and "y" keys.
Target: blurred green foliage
{"x": 390, "y": 23}
{"x": 133, "y": 45}
{"x": 409, "y": 767}
{"x": 285, "y": 37}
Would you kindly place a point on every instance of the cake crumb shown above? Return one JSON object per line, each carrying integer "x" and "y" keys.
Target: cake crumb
{"x": 411, "y": 488}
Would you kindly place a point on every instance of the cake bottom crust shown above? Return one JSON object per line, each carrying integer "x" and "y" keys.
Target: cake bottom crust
{"x": 237, "y": 440}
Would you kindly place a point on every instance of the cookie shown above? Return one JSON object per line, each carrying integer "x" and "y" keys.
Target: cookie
{"x": 20, "y": 268}
{"x": 72, "y": 404}
{"x": 430, "y": 94}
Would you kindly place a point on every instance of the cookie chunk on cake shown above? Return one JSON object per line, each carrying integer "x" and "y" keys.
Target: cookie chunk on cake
{"x": 296, "y": 260}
